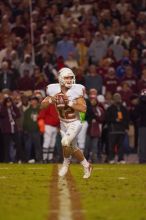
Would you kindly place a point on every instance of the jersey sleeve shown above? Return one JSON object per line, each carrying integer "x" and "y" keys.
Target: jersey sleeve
{"x": 81, "y": 90}
{"x": 52, "y": 89}
{"x": 76, "y": 92}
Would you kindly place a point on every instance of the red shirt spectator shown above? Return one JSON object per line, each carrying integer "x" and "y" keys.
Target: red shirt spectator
{"x": 49, "y": 115}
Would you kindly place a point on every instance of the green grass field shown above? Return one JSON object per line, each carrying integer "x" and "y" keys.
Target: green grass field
{"x": 114, "y": 192}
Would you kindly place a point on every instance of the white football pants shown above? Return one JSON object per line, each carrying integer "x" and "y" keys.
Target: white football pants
{"x": 49, "y": 140}
{"x": 69, "y": 132}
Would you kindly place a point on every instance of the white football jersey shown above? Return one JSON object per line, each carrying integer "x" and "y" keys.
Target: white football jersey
{"x": 67, "y": 114}
{"x": 76, "y": 91}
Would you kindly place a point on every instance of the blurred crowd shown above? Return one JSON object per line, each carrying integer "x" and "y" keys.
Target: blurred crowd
{"x": 103, "y": 42}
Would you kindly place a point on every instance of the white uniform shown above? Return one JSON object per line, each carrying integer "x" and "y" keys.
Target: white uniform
{"x": 69, "y": 118}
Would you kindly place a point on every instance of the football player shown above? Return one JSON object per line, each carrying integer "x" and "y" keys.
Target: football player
{"x": 69, "y": 100}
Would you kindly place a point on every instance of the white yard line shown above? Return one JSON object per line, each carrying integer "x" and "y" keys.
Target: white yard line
{"x": 3, "y": 177}
{"x": 29, "y": 168}
{"x": 105, "y": 168}
{"x": 36, "y": 168}
{"x": 65, "y": 212}
{"x": 122, "y": 178}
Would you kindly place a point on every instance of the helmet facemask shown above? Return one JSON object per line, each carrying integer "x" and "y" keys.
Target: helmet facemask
{"x": 66, "y": 77}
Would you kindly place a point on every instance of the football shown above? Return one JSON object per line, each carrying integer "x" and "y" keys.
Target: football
{"x": 61, "y": 100}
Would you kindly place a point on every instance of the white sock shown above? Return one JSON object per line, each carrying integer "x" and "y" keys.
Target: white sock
{"x": 84, "y": 163}
{"x": 45, "y": 153}
{"x": 66, "y": 160}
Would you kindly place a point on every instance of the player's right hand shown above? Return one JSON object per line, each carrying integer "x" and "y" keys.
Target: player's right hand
{"x": 47, "y": 99}
{"x": 61, "y": 100}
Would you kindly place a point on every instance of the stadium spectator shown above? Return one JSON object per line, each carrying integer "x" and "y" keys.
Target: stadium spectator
{"x": 8, "y": 115}
{"x": 46, "y": 36}
{"x": 50, "y": 71}
{"x": 26, "y": 65}
{"x": 140, "y": 113}
{"x": 6, "y": 76}
{"x": 39, "y": 79}
{"x": 65, "y": 18}
{"x": 18, "y": 100}
{"x": 48, "y": 121}
{"x": 93, "y": 79}
{"x": 1, "y": 139}
{"x": 71, "y": 62}
{"x": 76, "y": 10}
{"x": 65, "y": 46}
{"x": 95, "y": 118}
{"x": 111, "y": 81}
{"x": 31, "y": 131}
{"x": 25, "y": 82}
{"x": 117, "y": 120}
{"x": 15, "y": 61}
{"x": 97, "y": 49}
{"x": 130, "y": 78}
{"x": 142, "y": 82}
{"x": 117, "y": 48}
{"x": 5, "y": 52}
{"x": 82, "y": 50}
{"x": 126, "y": 94}
{"x": 110, "y": 56}
{"x": 42, "y": 55}
{"x": 80, "y": 75}
{"x": 135, "y": 62}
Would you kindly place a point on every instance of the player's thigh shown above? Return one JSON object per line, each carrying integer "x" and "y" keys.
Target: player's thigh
{"x": 74, "y": 129}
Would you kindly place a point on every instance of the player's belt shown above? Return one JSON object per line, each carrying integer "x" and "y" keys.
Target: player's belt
{"x": 69, "y": 120}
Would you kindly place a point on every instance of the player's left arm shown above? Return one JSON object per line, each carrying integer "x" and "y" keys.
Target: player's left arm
{"x": 78, "y": 105}
{"x": 46, "y": 101}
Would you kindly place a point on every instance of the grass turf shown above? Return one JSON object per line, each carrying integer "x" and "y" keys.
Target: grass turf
{"x": 24, "y": 191}
{"x": 114, "y": 192}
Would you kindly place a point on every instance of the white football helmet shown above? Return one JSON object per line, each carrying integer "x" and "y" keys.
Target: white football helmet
{"x": 64, "y": 73}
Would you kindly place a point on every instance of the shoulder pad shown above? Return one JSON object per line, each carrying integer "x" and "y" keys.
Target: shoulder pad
{"x": 53, "y": 89}
{"x": 76, "y": 91}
